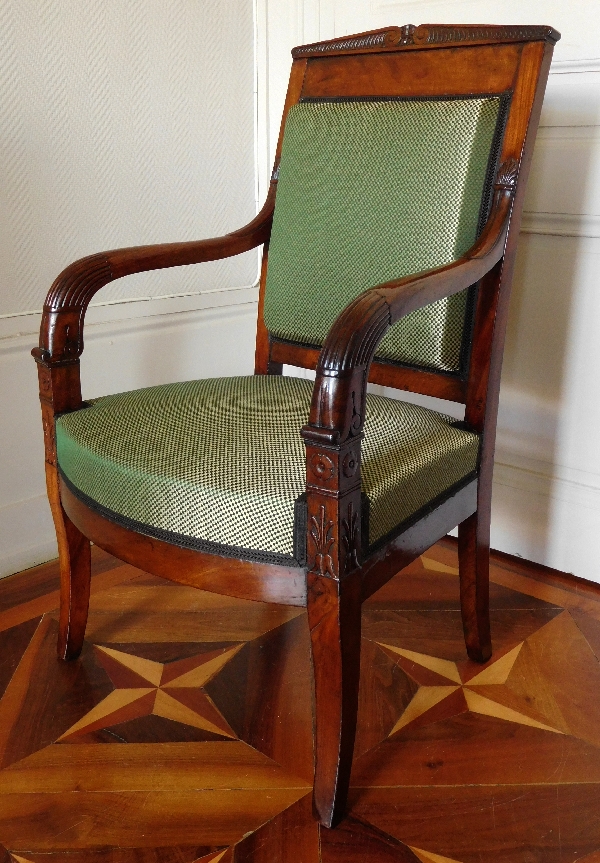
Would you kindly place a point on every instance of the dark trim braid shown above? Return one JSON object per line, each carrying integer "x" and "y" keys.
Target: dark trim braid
{"x": 429, "y": 507}
{"x": 180, "y": 539}
{"x": 444, "y": 97}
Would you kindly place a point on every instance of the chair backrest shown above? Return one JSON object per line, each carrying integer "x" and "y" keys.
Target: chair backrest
{"x": 390, "y": 144}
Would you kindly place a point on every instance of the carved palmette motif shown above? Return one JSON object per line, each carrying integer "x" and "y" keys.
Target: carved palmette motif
{"x": 321, "y": 530}
{"x": 506, "y": 178}
{"x": 350, "y": 537}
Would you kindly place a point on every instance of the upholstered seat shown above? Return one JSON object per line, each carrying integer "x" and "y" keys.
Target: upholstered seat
{"x": 219, "y": 464}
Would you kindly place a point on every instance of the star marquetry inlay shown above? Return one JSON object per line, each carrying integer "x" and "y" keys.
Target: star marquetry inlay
{"x": 172, "y": 690}
{"x": 445, "y": 690}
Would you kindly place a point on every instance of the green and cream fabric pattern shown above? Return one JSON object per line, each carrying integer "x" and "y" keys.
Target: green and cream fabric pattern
{"x": 218, "y": 464}
{"x": 372, "y": 190}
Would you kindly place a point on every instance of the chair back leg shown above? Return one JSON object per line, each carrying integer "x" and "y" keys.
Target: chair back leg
{"x": 334, "y": 620}
{"x": 74, "y": 554}
{"x": 474, "y": 568}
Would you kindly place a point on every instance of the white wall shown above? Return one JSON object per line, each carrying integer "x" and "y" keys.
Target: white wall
{"x": 120, "y": 124}
{"x": 546, "y": 504}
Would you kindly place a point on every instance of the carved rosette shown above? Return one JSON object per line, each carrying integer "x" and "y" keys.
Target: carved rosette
{"x": 321, "y": 466}
{"x": 350, "y": 463}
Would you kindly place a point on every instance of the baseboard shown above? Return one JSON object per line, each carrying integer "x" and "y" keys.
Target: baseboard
{"x": 538, "y": 572}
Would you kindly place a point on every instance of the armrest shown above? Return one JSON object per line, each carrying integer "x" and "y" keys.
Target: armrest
{"x": 61, "y": 331}
{"x": 337, "y": 408}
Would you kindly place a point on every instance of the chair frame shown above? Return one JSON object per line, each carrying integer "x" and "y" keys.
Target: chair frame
{"x": 339, "y": 574}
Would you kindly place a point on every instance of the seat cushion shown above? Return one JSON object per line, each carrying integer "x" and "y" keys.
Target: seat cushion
{"x": 219, "y": 464}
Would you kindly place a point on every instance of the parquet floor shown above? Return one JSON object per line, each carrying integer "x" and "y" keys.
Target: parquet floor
{"x": 184, "y": 732}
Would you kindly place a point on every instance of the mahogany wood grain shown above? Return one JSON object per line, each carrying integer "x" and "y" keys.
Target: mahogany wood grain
{"x": 491, "y": 318}
{"x": 445, "y": 72}
{"x": 75, "y": 573}
{"x": 334, "y": 621}
{"x": 473, "y": 555}
{"x": 428, "y": 383}
{"x": 263, "y": 582}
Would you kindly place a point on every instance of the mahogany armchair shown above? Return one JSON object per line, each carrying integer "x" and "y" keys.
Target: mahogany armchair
{"x": 391, "y": 225}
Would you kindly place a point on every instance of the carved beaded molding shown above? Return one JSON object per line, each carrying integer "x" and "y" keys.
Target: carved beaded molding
{"x": 410, "y": 36}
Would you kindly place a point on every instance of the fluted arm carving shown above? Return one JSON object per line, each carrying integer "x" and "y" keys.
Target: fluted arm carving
{"x": 61, "y": 332}
{"x": 337, "y": 409}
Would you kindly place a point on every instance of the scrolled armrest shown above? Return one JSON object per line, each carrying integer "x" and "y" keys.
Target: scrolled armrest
{"x": 337, "y": 408}
{"x": 61, "y": 332}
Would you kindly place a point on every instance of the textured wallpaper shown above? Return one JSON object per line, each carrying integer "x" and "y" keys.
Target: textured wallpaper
{"x": 122, "y": 122}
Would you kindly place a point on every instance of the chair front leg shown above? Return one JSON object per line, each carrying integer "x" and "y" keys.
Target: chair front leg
{"x": 474, "y": 568}
{"x": 334, "y": 545}
{"x": 334, "y": 620}
{"x": 74, "y": 553}
{"x": 60, "y": 390}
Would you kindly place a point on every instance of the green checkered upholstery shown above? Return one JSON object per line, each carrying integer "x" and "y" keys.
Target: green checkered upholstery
{"x": 372, "y": 190}
{"x": 218, "y": 464}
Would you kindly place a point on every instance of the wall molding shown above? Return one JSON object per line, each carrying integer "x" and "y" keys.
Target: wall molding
{"x": 551, "y": 485}
{"x": 561, "y": 224}
{"x": 25, "y": 323}
{"x": 575, "y": 67}
{"x": 529, "y": 429}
